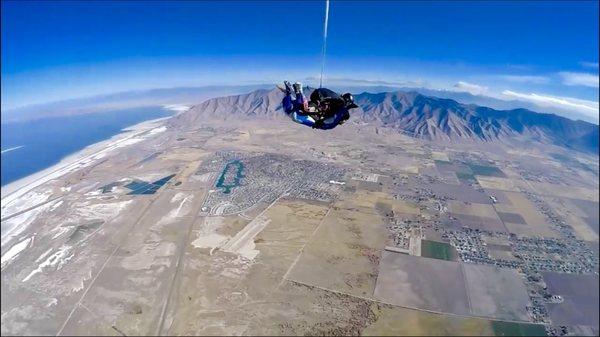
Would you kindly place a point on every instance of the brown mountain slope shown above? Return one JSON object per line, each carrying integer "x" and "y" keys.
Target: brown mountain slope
{"x": 417, "y": 115}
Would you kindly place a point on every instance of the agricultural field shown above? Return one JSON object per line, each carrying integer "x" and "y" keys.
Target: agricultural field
{"x": 438, "y": 250}
{"x": 364, "y": 234}
{"x": 521, "y": 217}
{"x": 412, "y": 282}
{"x": 579, "y": 298}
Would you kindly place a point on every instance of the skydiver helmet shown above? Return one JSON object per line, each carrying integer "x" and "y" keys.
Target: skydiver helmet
{"x": 349, "y": 101}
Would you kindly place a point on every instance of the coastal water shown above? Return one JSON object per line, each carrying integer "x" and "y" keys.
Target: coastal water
{"x": 31, "y": 146}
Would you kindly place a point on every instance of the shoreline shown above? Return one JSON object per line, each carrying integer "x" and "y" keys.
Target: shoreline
{"x": 23, "y": 185}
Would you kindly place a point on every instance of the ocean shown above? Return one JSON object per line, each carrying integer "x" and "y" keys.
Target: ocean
{"x": 32, "y": 146}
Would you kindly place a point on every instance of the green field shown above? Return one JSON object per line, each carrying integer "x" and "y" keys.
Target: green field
{"x": 438, "y": 250}
{"x": 482, "y": 170}
{"x": 517, "y": 329}
{"x": 465, "y": 176}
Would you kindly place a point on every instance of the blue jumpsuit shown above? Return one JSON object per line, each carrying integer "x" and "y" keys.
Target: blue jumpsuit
{"x": 293, "y": 108}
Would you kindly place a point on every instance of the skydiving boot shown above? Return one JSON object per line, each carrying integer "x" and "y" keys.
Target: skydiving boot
{"x": 300, "y": 99}
{"x": 287, "y": 89}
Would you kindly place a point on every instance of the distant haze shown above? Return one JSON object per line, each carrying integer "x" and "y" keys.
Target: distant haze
{"x": 123, "y": 100}
{"x": 195, "y": 95}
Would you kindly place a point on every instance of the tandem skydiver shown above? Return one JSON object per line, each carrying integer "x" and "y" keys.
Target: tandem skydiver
{"x": 325, "y": 110}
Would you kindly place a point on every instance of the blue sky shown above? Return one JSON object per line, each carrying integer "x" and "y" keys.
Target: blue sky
{"x": 545, "y": 52}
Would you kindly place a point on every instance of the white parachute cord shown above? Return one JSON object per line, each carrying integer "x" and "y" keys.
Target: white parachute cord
{"x": 324, "y": 49}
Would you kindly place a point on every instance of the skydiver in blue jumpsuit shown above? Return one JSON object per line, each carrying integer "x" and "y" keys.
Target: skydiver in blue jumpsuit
{"x": 298, "y": 109}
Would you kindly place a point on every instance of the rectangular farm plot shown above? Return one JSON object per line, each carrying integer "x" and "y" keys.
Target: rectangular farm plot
{"x": 461, "y": 192}
{"x": 501, "y": 253}
{"x": 439, "y": 156}
{"x": 370, "y": 202}
{"x": 501, "y": 328}
{"x": 404, "y": 207}
{"x": 511, "y": 218}
{"x": 591, "y": 212}
{"x": 419, "y": 323}
{"x": 477, "y": 210}
{"x": 451, "y": 287}
{"x": 499, "y": 248}
{"x": 497, "y": 196}
{"x": 448, "y": 171}
{"x": 392, "y": 321}
{"x": 580, "y": 298}
{"x": 495, "y": 292}
{"x": 343, "y": 254}
{"x": 484, "y": 170}
{"x": 451, "y": 178}
{"x": 476, "y": 216}
{"x": 581, "y": 215}
{"x": 422, "y": 283}
{"x": 504, "y": 184}
{"x": 372, "y": 186}
{"x": 522, "y": 217}
{"x": 572, "y": 192}
{"x": 462, "y": 176}
{"x": 438, "y": 250}
{"x": 362, "y": 200}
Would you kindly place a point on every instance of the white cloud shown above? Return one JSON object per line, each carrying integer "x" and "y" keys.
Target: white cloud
{"x": 588, "y": 108}
{"x": 526, "y": 78}
{"x": 474, "y": 89}
{"x": 355, "y": 81}
{"x": 593, "y": 65}
{"x": 583, "y": 79}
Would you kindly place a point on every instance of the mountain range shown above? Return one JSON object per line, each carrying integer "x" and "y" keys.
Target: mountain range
{"x": 418, "y": 115}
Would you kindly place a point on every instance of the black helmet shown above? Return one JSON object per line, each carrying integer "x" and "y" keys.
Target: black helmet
{"x": 349, "y": 101}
